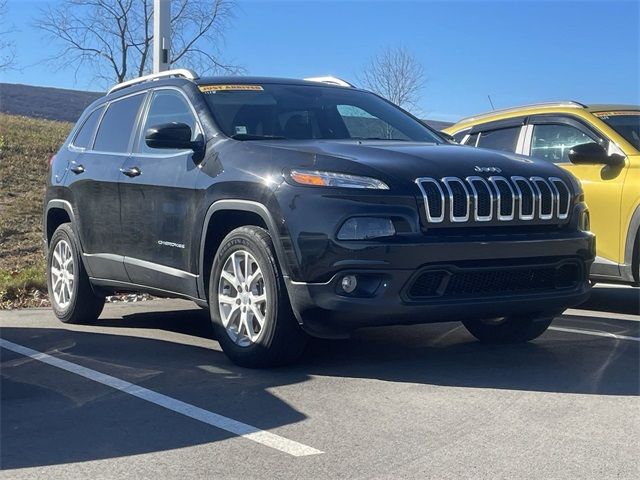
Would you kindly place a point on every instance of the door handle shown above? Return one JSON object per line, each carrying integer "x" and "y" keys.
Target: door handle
{"x": 77, "y": 169}
{"x": 131, "y": 172}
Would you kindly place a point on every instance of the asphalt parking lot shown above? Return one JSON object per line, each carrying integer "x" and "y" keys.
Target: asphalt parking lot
{"x": 146, "y": 392}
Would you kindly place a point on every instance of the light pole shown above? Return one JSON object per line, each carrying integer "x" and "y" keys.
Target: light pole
{"x": 161, "y": 35}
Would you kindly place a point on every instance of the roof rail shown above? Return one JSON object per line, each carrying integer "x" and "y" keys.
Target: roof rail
{"x": 567, "y": 103}
{"x": 330, "y": 80}
{"x": 180, "y": 72}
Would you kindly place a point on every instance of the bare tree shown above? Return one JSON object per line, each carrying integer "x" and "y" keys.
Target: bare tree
{"x": 395, "y": 74}
{"x": 7, "y": 46}
{"x": 114, "y": 38}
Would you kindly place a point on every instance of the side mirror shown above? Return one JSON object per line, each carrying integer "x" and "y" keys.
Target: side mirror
{"x": 593, "y": 154}
{"x": 172, "y": 135}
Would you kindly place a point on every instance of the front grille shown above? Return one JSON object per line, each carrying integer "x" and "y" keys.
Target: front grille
{"x": 502, "y": 199}
{"x": 487, "y": 282}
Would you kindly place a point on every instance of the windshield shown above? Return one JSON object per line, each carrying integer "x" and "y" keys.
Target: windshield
{"x": 627, "y": 124}
{"x": 301, "y": 112}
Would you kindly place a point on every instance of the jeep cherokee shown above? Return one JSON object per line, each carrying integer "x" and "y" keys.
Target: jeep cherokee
{"x": 297, "y": 207}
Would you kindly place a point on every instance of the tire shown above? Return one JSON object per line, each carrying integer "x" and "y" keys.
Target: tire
{"x": 70, "y": 292}
{"x": 253, "y": 321}
{"x": 509, "y": 329}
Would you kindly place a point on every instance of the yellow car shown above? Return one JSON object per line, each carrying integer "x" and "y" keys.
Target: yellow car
{"x": 600, "y": 145}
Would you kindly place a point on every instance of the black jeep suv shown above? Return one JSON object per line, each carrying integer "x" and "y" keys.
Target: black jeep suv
{"x": 291, "y": 207}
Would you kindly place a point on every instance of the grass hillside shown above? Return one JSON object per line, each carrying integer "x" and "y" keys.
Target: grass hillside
{"x": 26, "y": 145}
{"x": 44, "y": 102}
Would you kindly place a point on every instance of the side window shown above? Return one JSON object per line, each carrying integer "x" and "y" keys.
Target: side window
{"x": 459, "y": 136}
{"x": 472, "y": 140}
{"x": 85, "y": 135}
{"x": 117, "y": 124}
{"x": 553, "y": 142}
{"x": 168, "y": 106}
{"x": 361, "y": 124}
{"x": 505, "y": 139}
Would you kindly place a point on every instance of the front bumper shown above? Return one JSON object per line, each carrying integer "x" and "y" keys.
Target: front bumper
{"x": 391, "y": 269}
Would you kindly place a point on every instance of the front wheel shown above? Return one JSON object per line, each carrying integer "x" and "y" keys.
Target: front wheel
{"x": 509, "y": 329}
{"x": 249, "y": 304}
{"x": 72, "y": 298}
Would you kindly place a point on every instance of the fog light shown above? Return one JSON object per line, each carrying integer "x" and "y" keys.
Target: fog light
{"x": 364, "y": 228}
{"x": 349, "y": 283}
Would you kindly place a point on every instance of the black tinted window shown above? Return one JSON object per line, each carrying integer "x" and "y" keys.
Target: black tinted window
{"x": 85, "y": 134}
{"x": 168, "y": 106}
{"x": 459, "y": 136}
{"x": 503, "y": 139}
{"x": 116, "y": 126}
{"x": 472, "y": 140}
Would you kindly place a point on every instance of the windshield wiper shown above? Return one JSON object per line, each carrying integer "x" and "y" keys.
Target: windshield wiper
{"x": 251, "y": 136}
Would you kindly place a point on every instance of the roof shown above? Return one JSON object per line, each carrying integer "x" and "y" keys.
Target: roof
{"x": 611, "y": 107}
{"x": 238, "y": 80}
{"x": 560, "y": 105}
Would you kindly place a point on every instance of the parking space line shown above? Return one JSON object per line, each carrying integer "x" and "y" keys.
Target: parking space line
{"x": 597, "y": 314}
{"x": 595, "y": 334}
{"x": 219, "y": 421}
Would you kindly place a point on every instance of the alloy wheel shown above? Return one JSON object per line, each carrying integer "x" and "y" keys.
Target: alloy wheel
{"x": 242, "y": 299}
{"x": 62, "y": 274}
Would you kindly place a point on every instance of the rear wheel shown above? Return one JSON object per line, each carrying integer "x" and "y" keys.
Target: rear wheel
{"x": 509, "y": 329}
{"x": 70, "y": 292}
{"x": 249, "y": 304}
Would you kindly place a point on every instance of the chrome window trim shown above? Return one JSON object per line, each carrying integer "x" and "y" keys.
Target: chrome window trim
{"x": 541, "y": 215}
{"x": 504, "y": 218}
{"x": 477, "y": 217}
{"x": 553, "y": 182}
{"x": 515, "y": 179}
{"x": 453, "y": 218}
{"x": 521, "y": 139}
{"x": 430, "y": 218}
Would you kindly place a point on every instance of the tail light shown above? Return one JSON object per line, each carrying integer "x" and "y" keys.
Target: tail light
{"x": 51, "y": 160}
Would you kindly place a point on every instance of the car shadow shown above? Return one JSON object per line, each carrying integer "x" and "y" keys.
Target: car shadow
{"x": 49, "y": 416}
{"x": 625, "y": 300}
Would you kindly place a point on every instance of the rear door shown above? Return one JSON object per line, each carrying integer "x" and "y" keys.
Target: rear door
{"x": 551, "y": 138}
{"x": 159, "y": 201}
{"x": 94, "y": 186}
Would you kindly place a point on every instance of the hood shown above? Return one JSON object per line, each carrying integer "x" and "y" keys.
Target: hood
{"x": 402, "y": 161}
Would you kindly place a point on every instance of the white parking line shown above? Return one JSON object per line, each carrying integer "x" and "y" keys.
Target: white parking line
{"x": 595, "y": 334}
{"x": 597, "y": 314}
{"x": 219, "y": 421}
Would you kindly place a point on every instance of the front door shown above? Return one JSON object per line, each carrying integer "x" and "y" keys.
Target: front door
{"x": 551, "y": 140}
{"x": 159, "y": 199}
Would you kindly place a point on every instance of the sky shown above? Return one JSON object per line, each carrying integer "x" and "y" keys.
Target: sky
{"x": 517, "y": 52}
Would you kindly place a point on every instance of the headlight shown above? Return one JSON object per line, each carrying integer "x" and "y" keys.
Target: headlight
{"x": 332, "y": 179}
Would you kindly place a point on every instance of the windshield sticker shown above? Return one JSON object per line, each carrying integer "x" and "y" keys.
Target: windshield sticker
{"x": 605, "y": 115}
{"x": 218, "y": 88}
{"x": 241, "y": 130}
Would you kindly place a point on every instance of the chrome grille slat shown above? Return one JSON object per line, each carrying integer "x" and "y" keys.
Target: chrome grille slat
{"x": 454, "y": 200}
{"x": 499, "y": 198}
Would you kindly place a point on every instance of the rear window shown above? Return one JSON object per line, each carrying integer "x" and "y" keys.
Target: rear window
{"x": 504, "y": 139}
{"x": 117, "y": 125}
{"x": 85, "y": 134}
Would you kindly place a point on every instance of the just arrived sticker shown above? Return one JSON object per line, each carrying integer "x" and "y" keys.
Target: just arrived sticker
{"x": 219, "y": 88}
